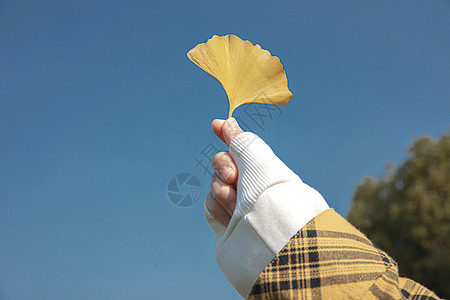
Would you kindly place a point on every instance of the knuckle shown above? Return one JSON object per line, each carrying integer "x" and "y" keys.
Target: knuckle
{"x": 221, "y": 193}
{"x": 214, "y": 179}
{"x": 217, "y": 159}
{"x": 219, "y": 190}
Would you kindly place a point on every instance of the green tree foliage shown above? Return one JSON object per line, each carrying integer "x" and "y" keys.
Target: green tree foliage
{"x": 407, "y": 213}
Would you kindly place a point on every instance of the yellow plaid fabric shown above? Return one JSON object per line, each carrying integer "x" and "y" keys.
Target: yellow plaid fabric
{"x": 330, "y": 259}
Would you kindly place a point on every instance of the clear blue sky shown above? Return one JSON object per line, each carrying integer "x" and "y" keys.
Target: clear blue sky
{"x": 100, "y": 107}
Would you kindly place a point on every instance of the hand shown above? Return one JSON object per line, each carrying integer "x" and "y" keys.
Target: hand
{"x": 221, "y": 201}
{"x": 256, "y": 205}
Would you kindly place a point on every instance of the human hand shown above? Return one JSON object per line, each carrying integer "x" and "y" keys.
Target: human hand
{"x": 255, "y": 206}
{"x": 221, "y": 201}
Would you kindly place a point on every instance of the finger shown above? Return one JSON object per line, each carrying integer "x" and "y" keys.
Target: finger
{"x": 225, "y": 168}
{"x": 230, "y": 130}
{"x": 224, "y": 193}
{"x": 226, "y": 130}
{"x": 217, "y": 211}
{"x": 217, "y": 128}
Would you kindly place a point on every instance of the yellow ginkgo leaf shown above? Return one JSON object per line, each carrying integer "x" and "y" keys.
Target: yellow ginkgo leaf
{"x": 246, "y": 72}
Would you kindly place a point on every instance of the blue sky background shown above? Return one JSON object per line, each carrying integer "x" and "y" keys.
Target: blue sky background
{"x": 100, "y": 107}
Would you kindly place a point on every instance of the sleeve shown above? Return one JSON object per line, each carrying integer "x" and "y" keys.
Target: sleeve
{"x": 330, "y": 259}
{"x": 272, "y": 205}
{"x": 284, "y": 242}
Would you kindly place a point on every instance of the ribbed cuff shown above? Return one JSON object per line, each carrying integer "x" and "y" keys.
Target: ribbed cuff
{"x": 259, "y": 168}
{"x": 272, "y": 205}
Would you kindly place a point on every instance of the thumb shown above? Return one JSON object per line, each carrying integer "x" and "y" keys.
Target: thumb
{"x": 230, "y": 130}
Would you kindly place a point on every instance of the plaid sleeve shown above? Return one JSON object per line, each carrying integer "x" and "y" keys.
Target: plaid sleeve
{"x": 330, "y": 259}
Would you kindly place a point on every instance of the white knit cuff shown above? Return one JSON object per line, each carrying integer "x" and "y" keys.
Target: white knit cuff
{"x": 259, "y": 168}
{"x": 272, "y": 205}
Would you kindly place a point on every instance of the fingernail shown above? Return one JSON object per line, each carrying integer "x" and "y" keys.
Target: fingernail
{"x": 225, "y": 172}
{"x": 233, "y": 124}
